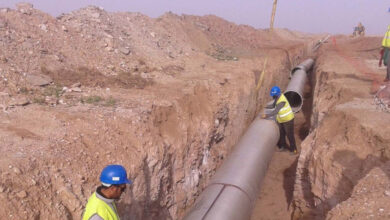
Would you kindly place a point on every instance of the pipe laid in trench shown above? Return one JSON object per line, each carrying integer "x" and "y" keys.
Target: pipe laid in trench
{"x": 305, "y": 66}
{"x": 294, "y": 91}
{"x": 233, "y": 190}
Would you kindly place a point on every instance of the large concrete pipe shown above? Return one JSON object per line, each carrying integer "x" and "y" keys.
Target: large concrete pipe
{"x": 233, "y": 190}
{"x": 295, "y": 88}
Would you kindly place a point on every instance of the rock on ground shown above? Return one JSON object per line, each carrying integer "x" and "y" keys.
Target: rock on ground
{"x": 146, "y": 101}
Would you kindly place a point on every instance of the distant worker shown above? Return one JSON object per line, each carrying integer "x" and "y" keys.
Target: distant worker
{"x": 285, "y": 119}
{"x": 101, "y": 204}
{"x": 385, "y": 53}
{"x": 360, "y": 30}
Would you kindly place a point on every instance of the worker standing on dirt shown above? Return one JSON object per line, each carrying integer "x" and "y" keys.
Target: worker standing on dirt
{"x": 385, "y": 52}
{"x": 360, "y": 30}
{"x": 285, "y": 119}
{"x": 101, "y": 204}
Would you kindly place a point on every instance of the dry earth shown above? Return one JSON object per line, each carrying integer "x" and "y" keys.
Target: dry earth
{"x": 167, "y": 98}
{"x": 343, "y": 168}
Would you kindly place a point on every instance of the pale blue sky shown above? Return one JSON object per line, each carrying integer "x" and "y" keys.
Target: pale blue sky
{"x": 315, "y": 16}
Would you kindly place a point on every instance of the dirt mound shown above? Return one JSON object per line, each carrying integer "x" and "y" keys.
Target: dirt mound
{"x": 348, "y": 141}
{"x": 294, "y": 35}
{"x": 94, "y": 78}
{"x": 369, "y": 197}
{"x": 167, "y": 98}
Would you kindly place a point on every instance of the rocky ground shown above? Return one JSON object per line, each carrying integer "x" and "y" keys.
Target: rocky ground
{"x": 167, "y": 98}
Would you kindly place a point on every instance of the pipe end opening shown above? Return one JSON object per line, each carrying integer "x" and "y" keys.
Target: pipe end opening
{"x": 295, "y": 100}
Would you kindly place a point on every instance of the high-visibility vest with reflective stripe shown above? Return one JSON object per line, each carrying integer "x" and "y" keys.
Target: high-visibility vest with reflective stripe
{"x": 98, "y": 206}
{"x": 285, "y": 114}
{"x": 386, "y": 39}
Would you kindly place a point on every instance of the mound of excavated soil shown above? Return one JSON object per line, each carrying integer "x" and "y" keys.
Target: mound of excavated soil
{"x": 167, "y": 98}
{"x": 342, "y": 171}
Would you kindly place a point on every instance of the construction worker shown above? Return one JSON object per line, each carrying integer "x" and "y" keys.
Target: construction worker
{"x": 359, "y": 30}
{"x": 285, "y": 119}
{"x": 101, "y": 204}
{"x": 385, "y": 53}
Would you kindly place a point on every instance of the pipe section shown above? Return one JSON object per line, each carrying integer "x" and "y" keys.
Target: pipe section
{"x": 234, "y": 188}
{"x": 305, "y": 66}
{"x": 295, "y": 88}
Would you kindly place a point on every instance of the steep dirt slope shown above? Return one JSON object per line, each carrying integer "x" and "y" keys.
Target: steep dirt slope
{"x": 344, "y": 158}
{"x": 167, "y": 98}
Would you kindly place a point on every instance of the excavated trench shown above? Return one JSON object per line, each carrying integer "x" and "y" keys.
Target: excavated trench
{"x": 170, "y": 112}
{"x": 276, "y": 196}
{"x": 343, "y": 167}
{"x": 174, "y": 115}
{"x": 230, "y": 193}
{"x": 197, "y": 133}
{"x": 330, "y": 138}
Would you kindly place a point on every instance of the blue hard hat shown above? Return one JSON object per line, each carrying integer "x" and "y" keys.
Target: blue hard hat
{"x": 275, "y": 91}
{"x": 114, "y": 174}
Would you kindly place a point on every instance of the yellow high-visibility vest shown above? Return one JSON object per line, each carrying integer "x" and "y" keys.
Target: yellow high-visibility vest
{"x": 386, "y": 39}
{"x": 98, "y": 206}
{"x": 285, "y": 114}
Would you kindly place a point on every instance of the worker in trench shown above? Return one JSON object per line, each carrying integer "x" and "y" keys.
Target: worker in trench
{"x": 101, "y": 205}
{"x": 285, "y": 118}
{"x": 385, "y": 53}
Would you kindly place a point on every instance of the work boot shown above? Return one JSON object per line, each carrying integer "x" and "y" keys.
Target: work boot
{"x": 293, "y": 152}
{"x": 281, "y": 149}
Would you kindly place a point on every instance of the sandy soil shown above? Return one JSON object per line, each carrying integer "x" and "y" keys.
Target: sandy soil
{"x": 351, "y": 100}
{"x": 344, "y": 158}
{"x": 167, "y": 98}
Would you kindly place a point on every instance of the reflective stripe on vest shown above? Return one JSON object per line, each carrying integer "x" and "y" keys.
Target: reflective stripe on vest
{"x": 386, "y": 39}
{"x": 98, "y": 206}
{"x": 285, "y": 114}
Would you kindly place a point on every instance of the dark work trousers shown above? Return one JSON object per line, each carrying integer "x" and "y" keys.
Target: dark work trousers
{"x": 287, "y": 128}
{"x": 388, "y": 66}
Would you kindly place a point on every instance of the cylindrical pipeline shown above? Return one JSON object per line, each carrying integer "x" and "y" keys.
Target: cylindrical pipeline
{"x": 220, "y": 201}
{"x": 234, "y": 188}
{"x": 305, "y": 66}
{"x": 296, "y": 86}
